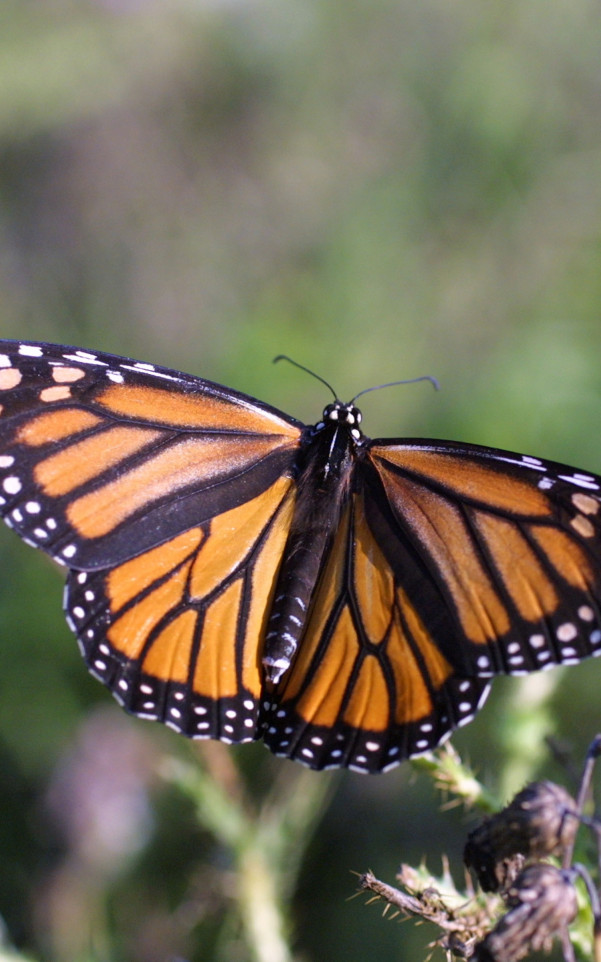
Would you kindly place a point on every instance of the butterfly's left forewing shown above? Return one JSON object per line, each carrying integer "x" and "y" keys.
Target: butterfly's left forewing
{"x": 170, "y": 499}
{"x": 103, "y": 458}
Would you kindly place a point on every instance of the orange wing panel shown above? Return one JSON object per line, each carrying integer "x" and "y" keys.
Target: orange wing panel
{"x": 56, "y": 425}
{"x": 190, "y": 461}
{"x": 369, "y": 706}
{"x": 233, "y": 534}
{"x": 192, "y": 411}
{"x": 467, "y": 479}
{"x": 216, "y": 673}
{"x": 523, "y": 576}
{"x": 566, "y": 556}
{"x": 373, "y": 581}
{"x": 80, "y": 462}
{"x": 440, "y": 529}
{"x": 437, "y": 667}
{"x": 170, "y": 653}
{"x": 324, "y": 691}
{"x": 129, "y": 632}
{"x": 133, "y": 577}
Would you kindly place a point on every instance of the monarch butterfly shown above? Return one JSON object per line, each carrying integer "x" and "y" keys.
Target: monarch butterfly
{"x": 237, "y": 575}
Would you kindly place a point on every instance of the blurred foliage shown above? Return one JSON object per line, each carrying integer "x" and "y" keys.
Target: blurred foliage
{"x": 380, "y": 190}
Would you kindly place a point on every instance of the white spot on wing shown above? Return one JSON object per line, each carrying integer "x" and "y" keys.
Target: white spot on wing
{"x": 30, "y": 350}
{"x": 537, "y": 641}
{"x": 580, "y": 481}
{"x": 149, "y": 370}
{"x": 567, "y": 631}
{"x": 12, "y": 485}
{"x": 81, "y": 357}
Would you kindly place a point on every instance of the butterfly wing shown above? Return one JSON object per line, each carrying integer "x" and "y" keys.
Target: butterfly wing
{"x": 510, "y": 547}
{"x": 369, "y": 686}
{"x": 177, "y": 632}
{"x": 453, "y": 563}
{"x": 169, "y": 498}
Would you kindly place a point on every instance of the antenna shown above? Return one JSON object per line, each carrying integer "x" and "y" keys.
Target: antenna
{"x": 284, "y": 357}
{"x": 378, "y": 387}
{"x": 411, "y": 380}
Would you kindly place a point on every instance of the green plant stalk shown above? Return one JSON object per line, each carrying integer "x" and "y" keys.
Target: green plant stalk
{"x": 260, "y": 903}
{"x": 266, "y": 844}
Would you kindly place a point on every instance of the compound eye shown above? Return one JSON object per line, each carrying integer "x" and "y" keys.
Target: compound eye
{"x": 345, "y": 413}
{"x": 352, "y": 414}
{"x": 332, "y": 412}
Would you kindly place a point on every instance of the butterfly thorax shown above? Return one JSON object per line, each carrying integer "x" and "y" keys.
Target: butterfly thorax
{"x": 324, "y": 474}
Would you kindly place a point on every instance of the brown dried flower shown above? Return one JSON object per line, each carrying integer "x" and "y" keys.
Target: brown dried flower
{"x": 542, "y": 902}
{"x": 541, "y": 820}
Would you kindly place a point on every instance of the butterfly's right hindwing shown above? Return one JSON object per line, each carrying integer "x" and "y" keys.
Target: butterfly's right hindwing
{"x": 369, "y": 685}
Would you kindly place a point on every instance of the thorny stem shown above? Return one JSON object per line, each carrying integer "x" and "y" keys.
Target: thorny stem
{"x": 585, "y": 783}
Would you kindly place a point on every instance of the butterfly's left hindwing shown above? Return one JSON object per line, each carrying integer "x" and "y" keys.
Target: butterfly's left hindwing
{"x": 170, "y": 499}
{"x": 177, "y": 632}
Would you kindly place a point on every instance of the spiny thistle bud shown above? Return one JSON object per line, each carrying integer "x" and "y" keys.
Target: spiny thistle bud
{"x": 541, "y": 820}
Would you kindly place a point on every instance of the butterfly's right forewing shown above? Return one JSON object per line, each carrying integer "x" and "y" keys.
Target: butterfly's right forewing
{"x": 510, "y": 545}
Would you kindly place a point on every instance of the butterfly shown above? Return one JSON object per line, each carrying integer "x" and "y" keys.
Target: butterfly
{"x": 238, "y": 575}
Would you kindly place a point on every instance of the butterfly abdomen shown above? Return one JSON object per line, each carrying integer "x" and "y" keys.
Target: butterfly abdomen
{"x": 323, "y": 489}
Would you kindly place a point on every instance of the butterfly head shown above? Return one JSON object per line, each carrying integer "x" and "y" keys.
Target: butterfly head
{"x": 346, "y": 414}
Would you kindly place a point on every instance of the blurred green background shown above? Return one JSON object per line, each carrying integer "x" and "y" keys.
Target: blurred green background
{"x": 380, "y": 189}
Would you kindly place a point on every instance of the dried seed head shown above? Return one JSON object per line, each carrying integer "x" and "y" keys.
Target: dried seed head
{"x": 541, "y": 820}
{"x": 542, "y": 902}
